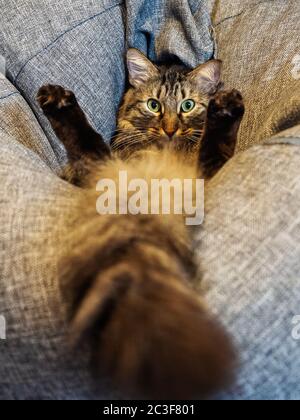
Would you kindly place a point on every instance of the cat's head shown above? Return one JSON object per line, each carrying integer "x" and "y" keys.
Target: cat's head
{"x": 165, "y": 105}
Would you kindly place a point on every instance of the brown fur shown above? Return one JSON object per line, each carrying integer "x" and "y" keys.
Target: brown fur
{"x": 130, "y": 277}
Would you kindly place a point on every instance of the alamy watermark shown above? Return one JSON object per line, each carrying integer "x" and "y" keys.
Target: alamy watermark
{"x": 296, "y": 328}
{"x": 2, "y": 328}
{"x": 157, "y": 197}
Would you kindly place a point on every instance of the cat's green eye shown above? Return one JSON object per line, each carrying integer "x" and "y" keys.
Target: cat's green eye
{"x": 188, "y": 106}
{"x": 154, "y": 106}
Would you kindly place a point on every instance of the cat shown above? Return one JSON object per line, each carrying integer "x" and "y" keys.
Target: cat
{"x": 131, "y": 277}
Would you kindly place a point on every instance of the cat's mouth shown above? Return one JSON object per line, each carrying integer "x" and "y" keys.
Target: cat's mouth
{"x": 172, "y": 134}
{"x": 181, "y": 140}
{"x": 180, "y": 134}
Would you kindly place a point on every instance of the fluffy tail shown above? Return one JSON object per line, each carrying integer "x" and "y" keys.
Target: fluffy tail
{"x": 147, "y": 328}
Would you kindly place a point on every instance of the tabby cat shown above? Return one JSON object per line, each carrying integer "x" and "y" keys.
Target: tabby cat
{"x": 130, "y": 277}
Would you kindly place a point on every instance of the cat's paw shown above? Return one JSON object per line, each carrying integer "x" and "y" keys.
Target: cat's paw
{"x": 227, "y": 105}
{"x": 53, "y": 98}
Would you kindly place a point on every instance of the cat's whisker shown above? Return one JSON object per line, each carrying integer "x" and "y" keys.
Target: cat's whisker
{"x": 127, "y": 144}
{"x": 120, "y": 140}
{"x": 197, "y": 131}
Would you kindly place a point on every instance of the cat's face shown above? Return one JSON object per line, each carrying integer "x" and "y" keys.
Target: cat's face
{"x": 165, "y": 107}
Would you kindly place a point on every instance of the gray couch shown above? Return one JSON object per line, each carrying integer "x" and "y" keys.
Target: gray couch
{"x": 249, "y": 246}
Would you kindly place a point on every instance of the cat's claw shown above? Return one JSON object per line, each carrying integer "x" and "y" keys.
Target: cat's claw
{"x": 228, "y": 105}
{"x": 55, "y": 98}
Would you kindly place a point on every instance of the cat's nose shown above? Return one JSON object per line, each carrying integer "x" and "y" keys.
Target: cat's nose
{"x": 170, "y": 124}
{"x": 170, "y": 131}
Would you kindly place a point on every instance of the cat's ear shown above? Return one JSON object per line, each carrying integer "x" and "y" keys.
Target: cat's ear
{"x": 208, "y": 76}
{"x": 140, "y": 69}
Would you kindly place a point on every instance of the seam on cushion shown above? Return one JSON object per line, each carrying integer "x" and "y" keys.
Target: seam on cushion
{"x": 243, "y": 11}
{"x": 63, "y": 34}
{"x": 8, "y": 96}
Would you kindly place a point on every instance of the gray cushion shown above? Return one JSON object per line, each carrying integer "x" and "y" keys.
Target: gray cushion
{"x": 18, "y": 121}
{"x": 258, "y": 42}
{"x": 249, "y": 251}
{"x": 66, "y": 43}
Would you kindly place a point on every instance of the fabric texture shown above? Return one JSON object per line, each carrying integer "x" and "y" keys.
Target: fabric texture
{"x": 259, "y": 44}
{"x": 249, "y": 252}
{"x": 249, "y": 245}
{"x": 170, "y": 30}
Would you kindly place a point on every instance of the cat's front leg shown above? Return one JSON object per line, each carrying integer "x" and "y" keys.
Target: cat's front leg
{"x": 71, "y": 126}
{"x": 224, "y": 115}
